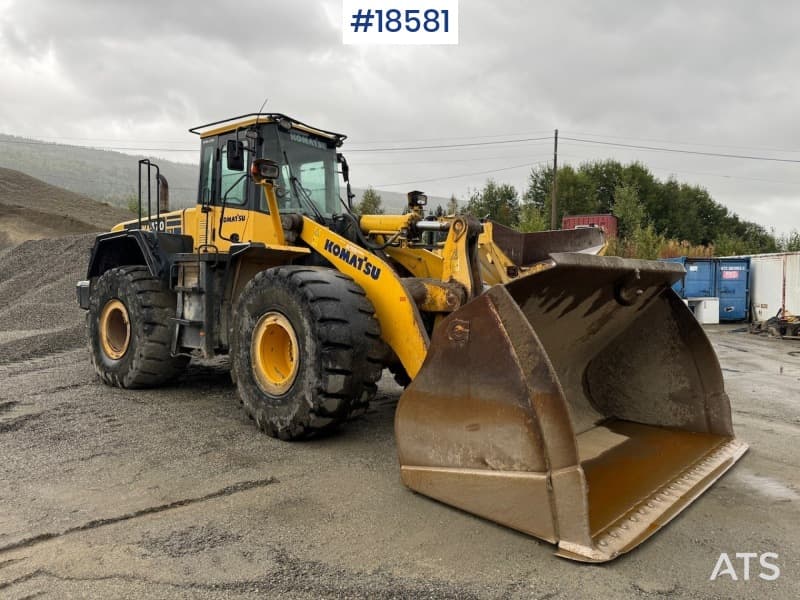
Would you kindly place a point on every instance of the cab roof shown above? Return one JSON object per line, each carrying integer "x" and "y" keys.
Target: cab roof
{"x": 234, "y": 123}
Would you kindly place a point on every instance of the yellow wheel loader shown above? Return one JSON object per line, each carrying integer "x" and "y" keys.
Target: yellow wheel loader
{"x": 563, "y": 393}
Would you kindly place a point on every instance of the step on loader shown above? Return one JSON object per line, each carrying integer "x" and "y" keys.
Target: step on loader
{"x": 552, "y": 389}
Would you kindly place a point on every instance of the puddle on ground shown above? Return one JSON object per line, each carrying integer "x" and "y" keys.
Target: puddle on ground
{"x": 766, "y": 486}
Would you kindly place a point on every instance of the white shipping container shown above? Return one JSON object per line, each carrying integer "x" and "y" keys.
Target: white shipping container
{"x": 774, "y": 284}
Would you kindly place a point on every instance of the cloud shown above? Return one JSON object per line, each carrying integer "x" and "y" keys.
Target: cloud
{"x": 714, "y": 76}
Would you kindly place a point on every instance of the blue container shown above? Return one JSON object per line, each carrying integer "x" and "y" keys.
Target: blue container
{"x": 678, "y": 285}
{"x": 733, "y": 288}
{"x": 700, "y": 278}
{"x": 725, "y": 278}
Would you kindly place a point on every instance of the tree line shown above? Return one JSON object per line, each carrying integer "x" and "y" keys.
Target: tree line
{"x": 657, "y": 218}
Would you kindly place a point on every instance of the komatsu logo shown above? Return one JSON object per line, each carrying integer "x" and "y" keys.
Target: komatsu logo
{"x": 308, "y": 141}
{"x": 234, "y": 219}
{"x": 353, "y": 259}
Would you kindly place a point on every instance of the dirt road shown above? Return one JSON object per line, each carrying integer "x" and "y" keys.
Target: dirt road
{"x": 173, "y": 493}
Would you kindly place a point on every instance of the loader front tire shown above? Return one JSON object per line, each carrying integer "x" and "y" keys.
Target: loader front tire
{"x": 306, "y": 350}
{"x": 130, "y": 331}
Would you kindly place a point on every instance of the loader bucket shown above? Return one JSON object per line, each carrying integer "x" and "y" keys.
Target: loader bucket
{"x": 582, "y": 404}
{"x": 528, "y": 248}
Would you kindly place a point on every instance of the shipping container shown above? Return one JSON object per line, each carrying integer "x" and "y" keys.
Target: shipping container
{"x": 608, "y": 223}
{"x": 733, "y": 288}
{"x": 726, "y": 279}
{"x": 700, "y": 278}
{"x": 774, "y": 285}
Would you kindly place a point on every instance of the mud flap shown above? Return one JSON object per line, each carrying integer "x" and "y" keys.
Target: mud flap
{"x": 582, "y": 404}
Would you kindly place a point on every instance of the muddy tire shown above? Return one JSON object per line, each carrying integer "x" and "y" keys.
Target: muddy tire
{"x": 130, "y": 330}
{"x": 306, "y": 350}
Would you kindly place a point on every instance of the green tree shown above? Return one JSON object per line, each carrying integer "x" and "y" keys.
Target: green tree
{"x": 789, "y": 242}
{"x": 499, "y": 202}
{"x": 439, "y": 212}
{"x": 637, "y": 237}
{"x": 679, "y": 211}
{"x": 540, "y": 184}
{"x": 370, "y": 204}
{"x": 628, "y": 210}
{"x": 576, "y": 192}
{"x": 728, "y": 245}
{"x": 606, "y": 176}
{"x": 532, "y": 218}
{"x": 646, "y": 243}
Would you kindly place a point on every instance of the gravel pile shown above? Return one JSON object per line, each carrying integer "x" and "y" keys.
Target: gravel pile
{"x": 33, "y": 210}
{"x": 73, "y": 212}
{"x": 39, "y": 314}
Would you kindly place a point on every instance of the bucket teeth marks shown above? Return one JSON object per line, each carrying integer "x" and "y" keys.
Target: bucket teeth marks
{"x": 665, "y": 503}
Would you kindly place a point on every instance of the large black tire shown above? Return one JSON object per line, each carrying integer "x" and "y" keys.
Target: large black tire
{"x": 131, "y": 348}
{"x": 336, "y": 351}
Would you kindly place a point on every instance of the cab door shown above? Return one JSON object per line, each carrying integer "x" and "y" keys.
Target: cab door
{"x": 233, "y": 195}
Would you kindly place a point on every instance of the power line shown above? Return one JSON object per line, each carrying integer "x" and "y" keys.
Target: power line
{"x": 527, "y": 164}
{"x": 681, "y": 151}
{"x": 463, "y": 137}
{"x": 685, "y": 172}
{"x": 93, "y": 139}
{"x": 627, "y": 137}
{"x": 450, "y": 146}
{"x": 406, "y": 148}
{"x": 394, "y": 149}
{"x": 434, "y": 161}
{"x": 587, "y": 158}
{"x": 723, "y": 176}
{"x": 471, "y": 145}
{"x": 38, "y": 143}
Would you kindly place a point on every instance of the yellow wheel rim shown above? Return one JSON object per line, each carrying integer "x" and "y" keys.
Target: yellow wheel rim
{"x": 115, "y": 329}
{"x": 274, "y": 353}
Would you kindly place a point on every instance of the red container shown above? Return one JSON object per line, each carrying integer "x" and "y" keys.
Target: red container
{"x": 608, "y": 223}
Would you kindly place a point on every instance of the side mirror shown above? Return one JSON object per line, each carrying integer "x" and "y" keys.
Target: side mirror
{"x": 345, "y": 167}
{"x": 235, "y": 155}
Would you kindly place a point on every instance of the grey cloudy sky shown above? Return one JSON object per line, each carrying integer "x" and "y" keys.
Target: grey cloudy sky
{"x": 713, "y": 76}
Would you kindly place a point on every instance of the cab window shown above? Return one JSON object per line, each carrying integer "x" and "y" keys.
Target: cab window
{"x": 207, "y": 153}
{"x": 312, "y": 178}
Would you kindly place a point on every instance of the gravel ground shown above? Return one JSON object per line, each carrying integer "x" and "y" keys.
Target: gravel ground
{"x": 174, "y": 493}
{"x": 38, "y": 310}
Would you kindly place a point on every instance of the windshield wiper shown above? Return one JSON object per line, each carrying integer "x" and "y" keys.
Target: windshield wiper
{"x": 301, "y": 193}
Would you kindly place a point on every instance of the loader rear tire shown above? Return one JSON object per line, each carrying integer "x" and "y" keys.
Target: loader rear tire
{"x": 306, "y": 350}
{"x": 130, "y": 331}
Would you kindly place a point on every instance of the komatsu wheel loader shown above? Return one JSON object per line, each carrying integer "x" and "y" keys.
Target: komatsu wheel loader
{"x": 568, "y": 395}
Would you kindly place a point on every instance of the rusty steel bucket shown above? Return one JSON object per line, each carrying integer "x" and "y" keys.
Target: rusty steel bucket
{"x": 582, "y": 404}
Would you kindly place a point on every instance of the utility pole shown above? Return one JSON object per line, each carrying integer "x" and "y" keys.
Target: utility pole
{"x": 553, "y": 198}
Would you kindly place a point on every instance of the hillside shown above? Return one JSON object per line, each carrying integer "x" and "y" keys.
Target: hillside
{"x": 103, "y": 175}
{"x": 31, "y": 209}
{"x": 110, "y": 176}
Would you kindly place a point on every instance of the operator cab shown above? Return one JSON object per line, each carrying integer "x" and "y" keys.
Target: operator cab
{"x": 309, "y": 176}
